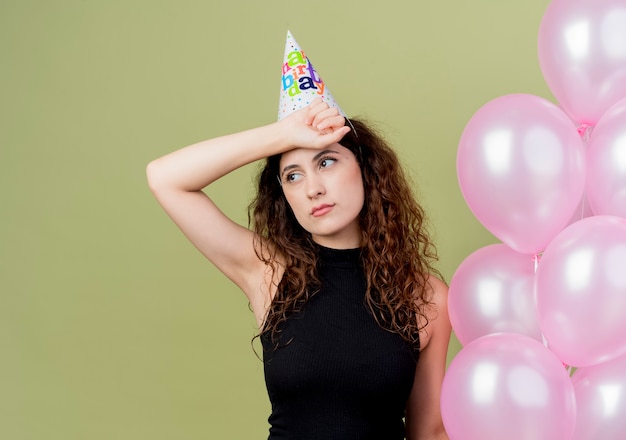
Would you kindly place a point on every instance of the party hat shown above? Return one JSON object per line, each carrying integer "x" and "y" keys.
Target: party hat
{"x": 300, "y": 82}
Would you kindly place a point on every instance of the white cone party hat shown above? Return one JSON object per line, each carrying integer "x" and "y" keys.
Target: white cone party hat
{"x": 300, "y": 83}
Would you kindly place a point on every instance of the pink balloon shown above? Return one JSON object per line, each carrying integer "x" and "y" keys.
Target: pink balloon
{"x": 601, "y": 401}
{"x": 606, "y": 162}
{"x": 507, "y": 386}
{"x": 582, "y": 54}
{"x": 521, "y": 169}
{"x": 492, "y": 291}
{"x": 581, "y": 291}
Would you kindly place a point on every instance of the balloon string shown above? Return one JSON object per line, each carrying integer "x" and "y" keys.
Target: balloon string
{"x": 582, "y": 207}
{"x": 536, "y": 258}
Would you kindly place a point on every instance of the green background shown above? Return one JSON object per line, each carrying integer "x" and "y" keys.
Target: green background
{"x": 112, "y": 326}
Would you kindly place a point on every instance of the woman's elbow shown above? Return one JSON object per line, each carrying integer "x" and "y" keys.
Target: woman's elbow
{"x": 155, "y": 176}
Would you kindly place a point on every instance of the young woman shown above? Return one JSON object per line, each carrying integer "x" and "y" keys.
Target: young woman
{"x": 337, "y": 268}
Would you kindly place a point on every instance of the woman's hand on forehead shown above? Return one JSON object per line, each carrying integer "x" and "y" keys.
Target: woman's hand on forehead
{"x": 315, "y": 126}
{"x": 323, "y": 117}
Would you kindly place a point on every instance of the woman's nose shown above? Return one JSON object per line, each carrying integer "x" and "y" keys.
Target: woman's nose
{"x": 315, "y": 186}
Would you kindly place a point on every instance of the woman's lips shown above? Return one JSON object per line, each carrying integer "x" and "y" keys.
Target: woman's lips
{"x": 320, "y": 210}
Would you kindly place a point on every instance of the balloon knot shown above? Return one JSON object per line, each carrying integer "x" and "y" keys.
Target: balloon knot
{"x": 584, "y": 130}
{"x": 536, "y": 258}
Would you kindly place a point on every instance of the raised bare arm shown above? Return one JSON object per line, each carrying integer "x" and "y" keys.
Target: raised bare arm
{"x": 177, "y": 180}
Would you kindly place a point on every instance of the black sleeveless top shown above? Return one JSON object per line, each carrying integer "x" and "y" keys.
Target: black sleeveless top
{"x": 336, "y": 374}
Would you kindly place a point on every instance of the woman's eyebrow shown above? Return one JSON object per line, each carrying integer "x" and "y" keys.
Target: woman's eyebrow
{"x": 322, "y": 153}
{"x": 314, "y": 159}
{"x": 287, "y": 168}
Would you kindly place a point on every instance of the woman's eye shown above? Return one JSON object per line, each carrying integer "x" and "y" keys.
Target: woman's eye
{"x": 292, "y": 177}
{"x": 326, "y": 162}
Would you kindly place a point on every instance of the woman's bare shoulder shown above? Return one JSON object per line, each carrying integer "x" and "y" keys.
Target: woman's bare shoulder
{"x": 436, "y": 319}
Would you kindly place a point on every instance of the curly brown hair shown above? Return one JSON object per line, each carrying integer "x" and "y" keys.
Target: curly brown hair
{"x": 397, "y": 253}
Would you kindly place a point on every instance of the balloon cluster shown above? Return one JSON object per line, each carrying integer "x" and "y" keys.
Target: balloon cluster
{"x": 542, "y": 315}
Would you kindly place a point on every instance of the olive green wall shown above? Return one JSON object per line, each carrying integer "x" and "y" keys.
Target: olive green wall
{"x": 111, "y": 325}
